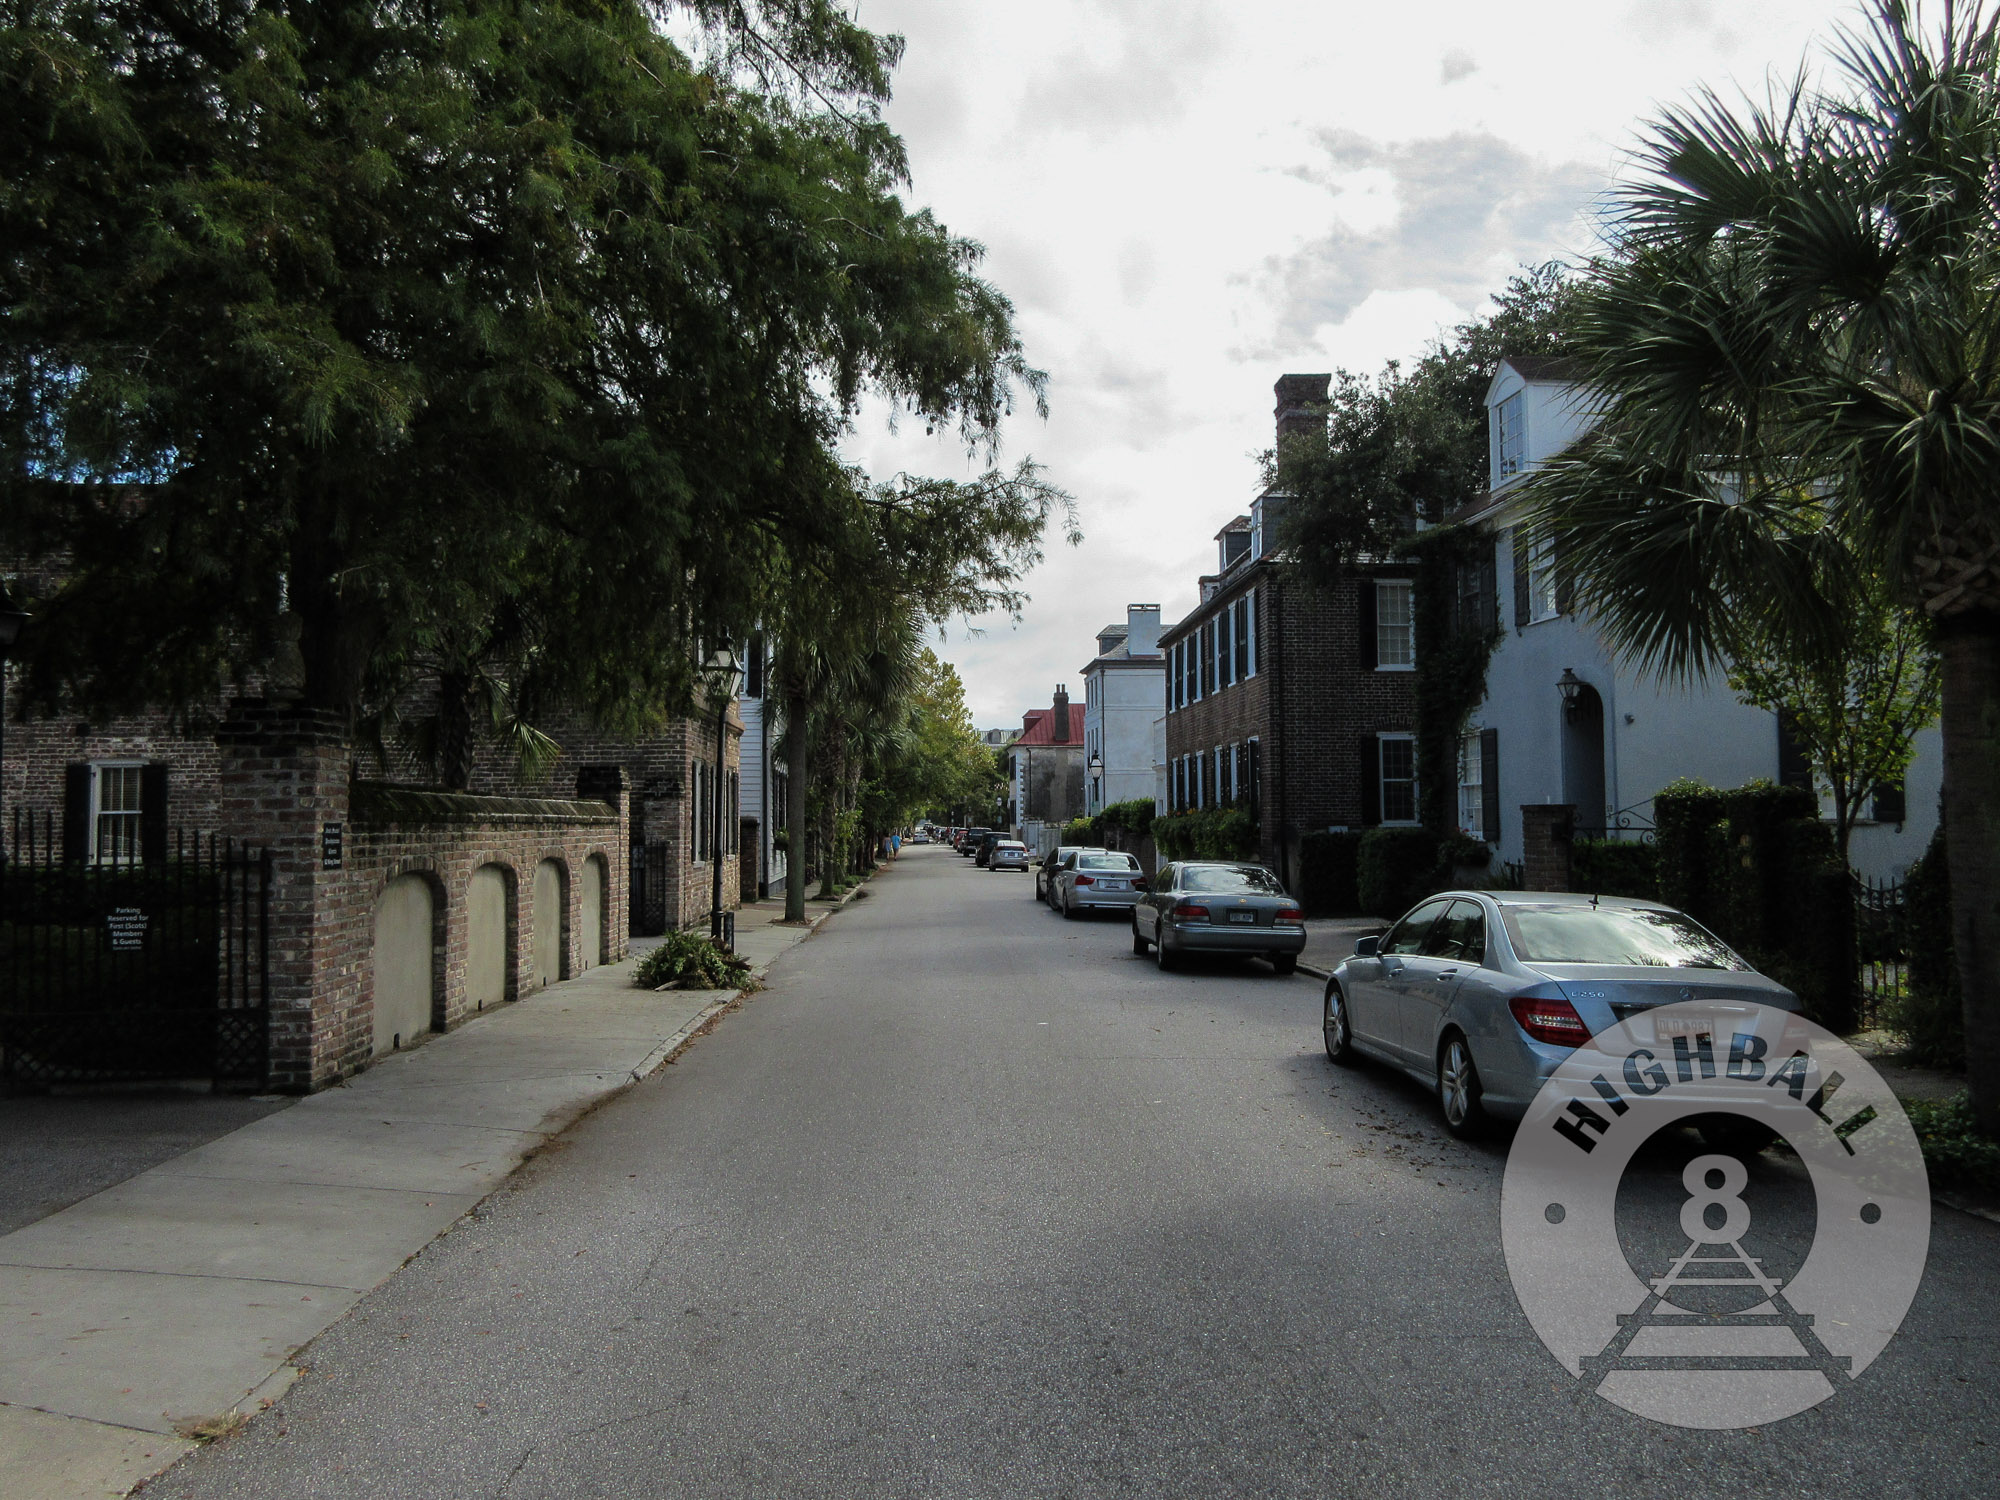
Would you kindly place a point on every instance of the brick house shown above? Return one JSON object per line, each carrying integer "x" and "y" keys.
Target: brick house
{"x": 1292, "y": 701}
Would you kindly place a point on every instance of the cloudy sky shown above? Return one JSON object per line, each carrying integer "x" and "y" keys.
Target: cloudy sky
{"x": 1186, "y": 199}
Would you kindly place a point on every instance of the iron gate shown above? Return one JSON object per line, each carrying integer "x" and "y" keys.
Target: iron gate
{"x": 648, "y": 905}
{"x": 121, "y": 968}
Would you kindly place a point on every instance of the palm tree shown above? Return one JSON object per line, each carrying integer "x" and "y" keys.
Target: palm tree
{"x": 1795, "y": 341}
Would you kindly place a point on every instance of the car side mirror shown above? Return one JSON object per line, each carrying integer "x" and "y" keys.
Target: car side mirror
{"x": 1367, "y": 947}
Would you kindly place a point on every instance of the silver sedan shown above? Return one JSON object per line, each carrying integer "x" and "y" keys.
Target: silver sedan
{"x": 1482, "y": 994}
{"x": 1201, "y": 907}
{"x": 1093, "y": 878}
{"x": 1008, "y": 854}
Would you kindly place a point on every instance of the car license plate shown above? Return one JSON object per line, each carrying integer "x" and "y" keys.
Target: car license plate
{"x": 1247, "y": 917}
{"x": 1114, "y": 885}
{"x": 1667, "y": 1027}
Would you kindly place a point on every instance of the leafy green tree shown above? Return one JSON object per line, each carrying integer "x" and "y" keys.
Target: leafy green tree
{"x": 511, "y": 340}
{"x": 1855, "y": 706}
{"x": 1791, "y": 338}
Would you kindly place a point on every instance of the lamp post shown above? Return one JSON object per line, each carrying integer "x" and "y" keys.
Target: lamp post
{"x": 722, "y": 673}
{"x": 1096, "y": 782}
{"x": 11, "y": 621}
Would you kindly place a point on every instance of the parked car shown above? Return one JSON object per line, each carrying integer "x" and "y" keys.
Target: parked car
{"x": 969, "y": 842}
{"x": 1201, "y": 906}
{"x": 1045, "y": 870}
{"x": 1093, "y": 878}
{"x": 983, "y": 847}
{"x": 1482, "y": 994}
{"x": 1007, "y": 854}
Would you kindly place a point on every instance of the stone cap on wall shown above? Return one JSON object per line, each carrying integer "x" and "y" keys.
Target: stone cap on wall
{"x": 385, "y": 802}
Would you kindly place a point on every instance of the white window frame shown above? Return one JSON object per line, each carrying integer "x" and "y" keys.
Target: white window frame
{"x": 1471, "y": 786}
{"x": 1510, "y": 437}
{"x": 1391, "y": 589}
{"x": 1383, "y": 780}
{"x": 1250, "y": 630}
{"x": 1542, "y": 580}
{"x": 128, "y": 852}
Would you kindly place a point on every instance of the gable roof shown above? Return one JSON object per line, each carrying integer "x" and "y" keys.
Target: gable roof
{"x": 1040, "y": 726}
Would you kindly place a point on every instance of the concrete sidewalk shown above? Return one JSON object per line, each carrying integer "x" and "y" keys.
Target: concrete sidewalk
{"x": 178, "y": 1296}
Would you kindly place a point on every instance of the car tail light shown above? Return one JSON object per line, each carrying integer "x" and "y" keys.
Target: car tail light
{"x": 1084, "y": 880}
{"x": 1185, "y": 911}
{"x": 1290, "y": 914}
{"x": 1553, "y": 1021}
{"x": 1138, "y": 884}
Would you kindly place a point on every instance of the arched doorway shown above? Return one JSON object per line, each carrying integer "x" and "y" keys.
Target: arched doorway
{"x": 1583, "y": 757}
{"x": 486, "y": 937}
{"x": 402, "y": 963}
{"x": 590, "y": 914}
{"x": 548, "y": 902}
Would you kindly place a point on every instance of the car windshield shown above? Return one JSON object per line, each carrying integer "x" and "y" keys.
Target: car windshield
{"x": 1106, "y": 862}
{"x": 1635, "y": 938}
{"x": 1231, "y": 878}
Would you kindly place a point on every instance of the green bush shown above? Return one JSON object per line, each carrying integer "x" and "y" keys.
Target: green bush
{"x": 1931, "y": 1016}
{"x": 1395, "y": 869}
{"x": 1080, "y": 831}
{"x": 1809, "y": 897}
{"x": 1134, "y": 817}
{"x": 1614, "y": 867}
{"x": 690, "y": 961}
{"x": 1957, "y": 1155}
{"x": 1690, "y": 850}
{"x": 1329, "y": 874}
{"x": 1211, "y": 833}
{"x": 1765, "y": 860}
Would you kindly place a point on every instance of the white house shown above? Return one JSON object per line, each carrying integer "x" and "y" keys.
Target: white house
{"x": 1565, "y": 721}
{"x": 763, "y": 773}
{"x": 1124, "y": 731}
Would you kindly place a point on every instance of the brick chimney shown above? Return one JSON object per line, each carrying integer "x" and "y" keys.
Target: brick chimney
{"x": 1059, "y": 730}
{"x": 1296, "y": 393}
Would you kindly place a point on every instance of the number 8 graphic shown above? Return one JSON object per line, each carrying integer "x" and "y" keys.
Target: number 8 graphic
{"x": 1735, "y": 1212}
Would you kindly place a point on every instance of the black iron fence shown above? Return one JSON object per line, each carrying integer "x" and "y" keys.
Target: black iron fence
{"x": 128, "y": 967}
{"x": 651, "y": 880}
{"x": 1882, "y": 933}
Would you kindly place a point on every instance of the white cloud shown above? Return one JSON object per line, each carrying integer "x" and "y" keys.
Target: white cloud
{"x": 1187, "y": 198}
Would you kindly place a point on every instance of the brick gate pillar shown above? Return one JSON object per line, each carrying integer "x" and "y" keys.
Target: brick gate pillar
{"x": 283, "y": 784}
{"x": 1546, "y": 829}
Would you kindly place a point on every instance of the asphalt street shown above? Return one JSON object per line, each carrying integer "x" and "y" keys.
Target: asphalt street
{"x": 971, "y": 1202}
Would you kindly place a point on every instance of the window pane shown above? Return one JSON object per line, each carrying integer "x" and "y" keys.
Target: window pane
{"x": 1642, "y": 938}
{"x": 1395, "y": 643}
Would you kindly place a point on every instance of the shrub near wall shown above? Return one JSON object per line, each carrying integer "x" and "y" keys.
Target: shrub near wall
{"x": 1211, "y": 833}
{"x": 1689, "y": 848}
{"x": 1931, "y": 1017}
{"x": 1330, "y": 874}
{"x": 1613, "y": 867}
{"x": 1395, "y": 869}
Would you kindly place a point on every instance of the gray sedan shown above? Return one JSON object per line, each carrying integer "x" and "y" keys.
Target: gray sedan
{"x": 1482, "y": 994}
{"x": 1045, "y": 870}
{"x": 1093, "y": 878}
{"x": 1203, "y": 907}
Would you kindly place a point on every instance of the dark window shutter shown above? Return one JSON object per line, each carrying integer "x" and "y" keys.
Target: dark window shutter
{"x": 1520, "y": 543}
{"x": 1489, "y": 587}
{"x": 1889, "y": 804}
{"x": 754, "y": 686}
{"x": 1365, "y": 624}
{"x": 1254, "y": 751}
{"x": 153, "y": 813}
{"x": 1489, "y": 784}
{"x": 1794, "y": 769}
{"x": 76, "y": 811}
{"x": 1371, "y": 775}
{"x": 1565, "y": 576}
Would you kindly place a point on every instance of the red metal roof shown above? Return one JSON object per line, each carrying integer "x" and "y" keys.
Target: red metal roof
{"x": 1039, "y": 726}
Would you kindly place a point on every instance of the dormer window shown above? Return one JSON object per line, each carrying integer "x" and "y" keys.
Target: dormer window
{"x": 1510, "y": 437}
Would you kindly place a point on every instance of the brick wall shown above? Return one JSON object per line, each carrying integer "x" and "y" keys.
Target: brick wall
{"x": 285, "y": 773}
{"x": 1315, "y": 702}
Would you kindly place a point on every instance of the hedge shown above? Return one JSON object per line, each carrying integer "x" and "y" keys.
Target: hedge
{"x": 1931, "y": 1016}
{"x": 1614, "y": 867}
{"x": 1395, "y": 869}
{"x": 1134, "y": 817}
{"x": 1329, "y": 874}
{"x": 1211, "y": 833}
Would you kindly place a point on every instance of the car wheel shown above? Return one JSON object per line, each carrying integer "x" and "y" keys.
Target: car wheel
{"x": 1285, "y": 963}
{"x": 1138, "y": 943}
{"x": 1333, "y": 1027}
{"x": 1458, "y": 1089}
{"x": 1168, "y": 962}
{"x": 1068, "y": 911}
{"x": 1733, "y": 1135}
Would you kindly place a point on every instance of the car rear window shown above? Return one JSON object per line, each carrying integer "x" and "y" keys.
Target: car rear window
{"x": 1231, "y": 878}
{"x": 1106, "y": 862}
{"x": 1608, "y": 935}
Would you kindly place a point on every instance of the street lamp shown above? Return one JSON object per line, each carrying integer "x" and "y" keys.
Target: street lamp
{"x": 1096, "y": 781}
{"x": 722, "y": 673}
{"x": 1571, "y": 687}
{"x": 11, "y": 621}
